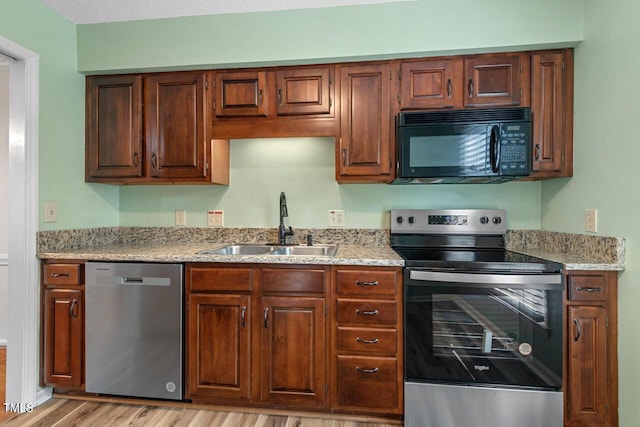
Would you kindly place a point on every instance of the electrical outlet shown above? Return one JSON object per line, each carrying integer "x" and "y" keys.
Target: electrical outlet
{"x": 591, "y": 220}
{"x": 50, "y": 212}
{"x": 215, "y": 218}
{"x": 336, "y": 218}
{"x": 181, "y": 217}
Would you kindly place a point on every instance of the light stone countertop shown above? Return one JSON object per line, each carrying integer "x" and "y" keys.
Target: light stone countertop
{"x": 572, "y": 261}
{"x": 188, "y": 252}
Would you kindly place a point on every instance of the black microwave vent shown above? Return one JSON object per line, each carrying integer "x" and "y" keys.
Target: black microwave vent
{"x": 465, "y": 116}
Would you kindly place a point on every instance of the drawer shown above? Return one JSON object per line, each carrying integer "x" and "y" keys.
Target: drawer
{"x": 63, "y": 274}
{"x": 219, "y": 279}
{"x": 308, "y": 280}
{"x": 367, "y": 382}
{"x": 367, "y": 282}
{"x": 381, "y": 342}
{"x": 587, "y": 288}
{"x": 367, "y": 312}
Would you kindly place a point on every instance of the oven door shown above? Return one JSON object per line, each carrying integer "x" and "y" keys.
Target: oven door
{"x": 496, "y": 329}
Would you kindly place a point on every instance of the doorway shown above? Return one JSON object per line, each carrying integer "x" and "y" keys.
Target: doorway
{"x": 22, "y": 292}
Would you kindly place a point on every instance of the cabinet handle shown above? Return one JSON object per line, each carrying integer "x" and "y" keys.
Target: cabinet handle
{"x": 576, "y": 337}
{"x": 260, "y": 98}
{"x": 588, "y": 289}
{"x": 154, "y": 160}
{"x": 373, "y": 341}
{"x": 470, "y": 88}
{"x": 135, "y": 159}
{"x": 344, "y": 157}
{"x": 449, "y": 88}
{"x": 365, "y": 283}
{"x": 280, "y": 97}
{"x": 366, "y": 313}
{"x": 366, "y": 371}
{"x": 59, "y": 274}
{"x": 243, "y": 317}
{"x": 537, "y": 151}
{"x": 72, "y": 312}
{"x": 266, "y": 318}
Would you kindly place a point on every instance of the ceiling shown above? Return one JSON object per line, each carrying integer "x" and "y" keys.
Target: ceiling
{"x": 97, "y": 11}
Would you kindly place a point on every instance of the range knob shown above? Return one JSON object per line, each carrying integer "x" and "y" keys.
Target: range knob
{"x": 496, "y": 220}
{"x": 399, "y": 220}
{"x": 411, "y": 220}
{"x": 484, "y": 220}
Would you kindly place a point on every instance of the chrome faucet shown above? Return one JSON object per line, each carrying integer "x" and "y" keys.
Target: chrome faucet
{"x": 282, "y": 231}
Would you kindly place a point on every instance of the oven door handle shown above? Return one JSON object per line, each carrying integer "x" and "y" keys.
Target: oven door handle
{"x": 486, "y": 279}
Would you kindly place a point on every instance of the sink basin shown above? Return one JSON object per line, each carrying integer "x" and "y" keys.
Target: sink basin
{"x": 257, "y": 249}
{"x": 239, "y": 250}
{"x": 317, "y": 250}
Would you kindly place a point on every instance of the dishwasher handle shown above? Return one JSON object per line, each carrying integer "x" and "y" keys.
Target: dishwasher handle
{"x": 145, "y": 281}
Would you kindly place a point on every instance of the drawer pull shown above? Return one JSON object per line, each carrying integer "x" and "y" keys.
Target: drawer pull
{"x": 588, "y": 289}
{"x": 266, "y": 318}
{"x": 365, "y": 283}
{"x": 576, "y": 337}
{"x": 366, "y": 371}
{"x": 373, "y": 341}
{"x": 59, "y": 274}
{"x": 73, "y": 309}
{"x": 366, "y": 313}
{"x": 243, "y": 316}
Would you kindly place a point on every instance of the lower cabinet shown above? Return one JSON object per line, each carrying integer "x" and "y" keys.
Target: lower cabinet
{"x": 271, "y": 352}
{"x": 591, "y": 373}
{"x": 63, "y": 325}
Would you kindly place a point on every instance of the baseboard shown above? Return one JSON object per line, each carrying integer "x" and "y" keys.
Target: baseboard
{"x": 43, "y": 395}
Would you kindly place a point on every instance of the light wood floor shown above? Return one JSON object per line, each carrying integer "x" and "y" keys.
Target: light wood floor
{"x": 3, "y": 382}
{"x": 61, "y": 412}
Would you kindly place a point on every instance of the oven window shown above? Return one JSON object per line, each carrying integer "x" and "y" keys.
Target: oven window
{"x": 492, "y": 335}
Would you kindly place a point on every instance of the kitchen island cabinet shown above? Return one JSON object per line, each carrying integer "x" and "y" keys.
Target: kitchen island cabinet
{"x": 591, "y": 362}
{"x": 63, "y": 324}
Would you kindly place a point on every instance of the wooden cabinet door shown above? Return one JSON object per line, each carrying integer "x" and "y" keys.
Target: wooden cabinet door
{"x": 219, "y": 345}
{"x": 302, "y": 91}
{"x": 586, "y": 379}
{"x": 114, "y": 147}
{"x": 552, "y": 110}
{"x": 176, "y": 125}
{"x": 63, "y": 337}
{"x": 365, "y": 123}
{"x": 494, "y": 80}
{"x": 293, "y": 351}
{"x": 241, "y": 94}
{"x": 430, "y": 84}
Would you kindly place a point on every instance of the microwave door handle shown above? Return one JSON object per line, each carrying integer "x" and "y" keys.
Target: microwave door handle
{"x": 494, "y": 149}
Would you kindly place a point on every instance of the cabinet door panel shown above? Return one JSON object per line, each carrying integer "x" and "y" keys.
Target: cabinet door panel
{"x": 114, "y": 127}
{"x": 304, "y": 91}
{"x": 586, "y": 376}
{"x": 431, "y": 84}
{"x": 241, "y": 94}
{"x": 365, "y": 131}
{"x": 175, "y": 123}
{"x": 493, "y": 80}
{"x": 63, "y": 337}
{"x": 219, "y": 344}
{"x": 293, "y": 346}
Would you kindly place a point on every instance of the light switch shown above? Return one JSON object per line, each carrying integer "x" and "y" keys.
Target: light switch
{"x": 50, "y": 212}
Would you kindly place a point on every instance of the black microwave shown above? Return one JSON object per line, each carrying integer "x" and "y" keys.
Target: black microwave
{"x": 463, "y": 146}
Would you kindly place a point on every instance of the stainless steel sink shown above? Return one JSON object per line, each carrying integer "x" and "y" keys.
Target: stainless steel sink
{"x": 239, "y": 250}
{"x": 258, "y": 249}
{"x": 316, "y": 250}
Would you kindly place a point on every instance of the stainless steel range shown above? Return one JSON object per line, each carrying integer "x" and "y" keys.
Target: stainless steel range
{"x": 483, "y": 327}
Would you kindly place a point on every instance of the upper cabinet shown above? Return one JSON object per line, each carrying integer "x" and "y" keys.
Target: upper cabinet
{"x": 366, "y": 126}
{"x": 274, "y": 102}
{"x": 174, "y": 127}
{"x": 496, "y": 80}
{"x": 167, "y": 141}
{"x": 552, "y": 110}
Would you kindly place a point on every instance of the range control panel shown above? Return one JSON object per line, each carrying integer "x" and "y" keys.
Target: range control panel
{"x": 449, "y": 221}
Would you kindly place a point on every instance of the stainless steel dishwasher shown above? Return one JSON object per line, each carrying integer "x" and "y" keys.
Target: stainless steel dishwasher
{"x": 133, "y": 329}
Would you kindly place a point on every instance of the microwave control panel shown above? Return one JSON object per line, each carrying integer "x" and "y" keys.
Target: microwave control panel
{"x": 514, "y": 150}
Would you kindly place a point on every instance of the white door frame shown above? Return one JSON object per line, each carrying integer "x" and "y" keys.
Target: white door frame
{"x": 23, "y": 273}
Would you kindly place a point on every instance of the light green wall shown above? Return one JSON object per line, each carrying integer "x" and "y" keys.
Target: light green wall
{"x": 304, "y": 169}
{"x": 607, "y": 66}
{"x": 383, "y": 30}
{"x": 61, "y": 117}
